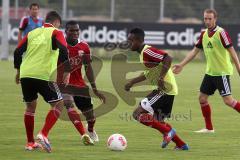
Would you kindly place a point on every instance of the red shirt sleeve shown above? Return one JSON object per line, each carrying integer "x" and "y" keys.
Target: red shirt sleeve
{"x": 199, "y": 42}
{"x": 153, "y": 55}
{"x": 59, "y": 37}
{"x": 23, "y": 23}
{"x": 225, "y": 39}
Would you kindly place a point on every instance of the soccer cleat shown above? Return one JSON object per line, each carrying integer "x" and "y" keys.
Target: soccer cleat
{"x": 185, "y": 147}
{"x": 32, "y": 146}
{"x": 87, "y": 140}
{"x": 43, "y": 140}
{"x": 204, "y": 130}
{"x": 93, "y": 135}
{"x": 168, "y": 137}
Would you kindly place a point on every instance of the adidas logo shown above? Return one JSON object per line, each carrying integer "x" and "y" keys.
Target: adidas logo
{"x": 209, "y": 45}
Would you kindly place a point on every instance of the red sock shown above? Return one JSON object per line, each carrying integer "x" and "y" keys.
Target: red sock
{"x": 91, "y": 125}
{"x": 176, "y": 139}
{"x": 51, "y": 119}
{"x": 206, "y": 112}
{"x": 148, "y": 120}
{"x": 236, "y": 105}
{"x": 29, "y": 125}
{"x": 75, "y": 118}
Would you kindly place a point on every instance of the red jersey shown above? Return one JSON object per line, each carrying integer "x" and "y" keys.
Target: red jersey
{"x": 78, "y": 55}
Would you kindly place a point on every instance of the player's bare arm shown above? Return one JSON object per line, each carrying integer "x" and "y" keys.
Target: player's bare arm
{"x": 167, "y": 61}
{"x": 235, "y": 58}
{"x": 133, "y": 81}
{"x": 91, "y": 79}
{"x": 177, "y": 68}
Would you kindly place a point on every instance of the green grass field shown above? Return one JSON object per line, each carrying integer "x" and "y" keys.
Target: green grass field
{"x": 143, "y": 142}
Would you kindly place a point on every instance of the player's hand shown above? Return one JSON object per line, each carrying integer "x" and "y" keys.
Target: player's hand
{"x": 66, "y": 77}
{"x": 17, "y": 77}
{"x": 128, "y": 86}
{"x": 177, "y": 68}
{"x": 99, "y": 95}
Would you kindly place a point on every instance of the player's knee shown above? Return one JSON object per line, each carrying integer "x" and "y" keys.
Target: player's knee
{"x": 202, "y": 100}
{"x": 58, "y": 105}
{"x": 68, "y": 106}
{"x": 90, "y": 117}
{"x": 228, "y": 102}
{"x": 135, "y": 115}
{"x": 30, "y": 109}
{"x": 89, "y": 114}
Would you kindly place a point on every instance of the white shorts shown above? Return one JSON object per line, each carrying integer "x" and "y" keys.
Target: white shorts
{"x": 147, "y": 106}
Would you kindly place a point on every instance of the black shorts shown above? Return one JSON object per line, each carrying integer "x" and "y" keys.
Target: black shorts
{"x": 83, "y": 103}
{"x": 212, "y": 83}
{"x": 31, "y": 87}
{"x": 159, "y": 104}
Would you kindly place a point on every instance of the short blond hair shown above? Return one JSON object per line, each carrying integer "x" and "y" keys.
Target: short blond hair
{"x": 213, "y": 11}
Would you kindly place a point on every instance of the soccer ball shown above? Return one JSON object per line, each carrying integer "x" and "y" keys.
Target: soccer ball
{"x": 117, "y": 142}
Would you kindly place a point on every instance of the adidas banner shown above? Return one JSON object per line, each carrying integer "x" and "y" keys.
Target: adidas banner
{"x": 165, "y": 36}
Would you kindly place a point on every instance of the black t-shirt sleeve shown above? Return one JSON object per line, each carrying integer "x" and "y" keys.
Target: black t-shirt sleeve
{"x": 21, "y": 48}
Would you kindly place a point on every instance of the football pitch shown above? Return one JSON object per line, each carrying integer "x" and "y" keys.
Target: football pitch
{"x": 143, "y": 142}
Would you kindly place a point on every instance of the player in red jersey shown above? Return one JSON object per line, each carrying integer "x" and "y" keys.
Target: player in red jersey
{"x": 79, "y": 54}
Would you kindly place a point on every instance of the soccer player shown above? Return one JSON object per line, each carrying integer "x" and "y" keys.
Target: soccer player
{"x": 79, "y": 54}
{"x": 218, "y": 49}
{"x": 28, "y": 23}
{"x": 157, "y": 106}
{"x": 35, "y": 70}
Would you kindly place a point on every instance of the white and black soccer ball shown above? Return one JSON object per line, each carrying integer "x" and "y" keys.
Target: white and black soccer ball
{"x": 117, "y": 142}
